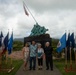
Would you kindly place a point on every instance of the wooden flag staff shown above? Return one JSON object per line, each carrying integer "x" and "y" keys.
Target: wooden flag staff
{"x": 70, "y": 60}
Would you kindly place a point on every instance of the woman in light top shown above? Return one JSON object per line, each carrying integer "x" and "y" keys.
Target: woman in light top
{"x": 25, "y": 52}
{"x": 40, "y": 53}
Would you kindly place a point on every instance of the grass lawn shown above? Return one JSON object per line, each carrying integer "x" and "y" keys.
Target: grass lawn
{"x": 16, "y": 64}
{"x": 60, "y": 64}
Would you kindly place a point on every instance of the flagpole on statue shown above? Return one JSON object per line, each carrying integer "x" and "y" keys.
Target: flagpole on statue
{"x": 29, "y": 11}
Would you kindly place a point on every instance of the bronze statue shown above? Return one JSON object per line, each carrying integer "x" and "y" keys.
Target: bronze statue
{"x": 38, "y": 30}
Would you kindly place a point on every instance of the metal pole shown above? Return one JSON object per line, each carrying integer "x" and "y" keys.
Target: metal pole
{"x": 70, "y": 59}
{"x": 65, "y": 58}
{"x": 75, "y": 57}
{"x": 30, "y": 12}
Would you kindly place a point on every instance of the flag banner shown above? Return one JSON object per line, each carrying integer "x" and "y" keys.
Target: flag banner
{"x": 1, "y": 40}
{"x": 68, "y": 47}
{"x": 72, "y": 41}
{"x": 6, "y": 41}
{"x": 61, "y": 43}
{"x": 68, "y": 41}
{"x": 10, "y": 44}
{"x": 75, "y": 41}
{"x": 25, "y": 10}
{"x": 75, "y": 44}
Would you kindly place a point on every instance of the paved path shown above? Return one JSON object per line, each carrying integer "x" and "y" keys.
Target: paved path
{"x": 38, "y": 72}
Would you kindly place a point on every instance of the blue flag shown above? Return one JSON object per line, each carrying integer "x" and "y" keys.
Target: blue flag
{"x": 62, "y": 43}
{"x": 6, "y": 41}
{"x": 72, "y": 41}
{"x": 10, "y": 44}
{"x": 1, "y": 35}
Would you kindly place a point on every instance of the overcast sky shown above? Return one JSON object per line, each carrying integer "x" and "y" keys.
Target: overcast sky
{"x": 56, "y": 15}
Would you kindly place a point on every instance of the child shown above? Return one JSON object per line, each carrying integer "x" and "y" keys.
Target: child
{"x": 25, "y": 52}
{"x": 40, "y": 53}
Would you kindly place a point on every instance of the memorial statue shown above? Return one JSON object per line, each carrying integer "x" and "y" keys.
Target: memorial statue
{"x": 38, "y": 30}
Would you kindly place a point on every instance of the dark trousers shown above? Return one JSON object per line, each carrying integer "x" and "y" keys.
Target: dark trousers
{"x": 32, "y": 62}
{"x": 49, "y": 62}
{"x": 40, "y": 61}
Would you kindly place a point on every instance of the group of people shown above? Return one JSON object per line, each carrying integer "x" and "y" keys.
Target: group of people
{"x": 33, "y": 51}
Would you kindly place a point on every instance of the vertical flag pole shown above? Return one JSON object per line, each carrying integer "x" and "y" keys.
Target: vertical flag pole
{"x": 70, "y": 57}
{"x": 30, "y": 12}
{"x": 11, "y": 62}
{"x": 12, "y": 48}
{"x": 0, "y": 59}
{"x": 75, "y": 51}
{"x": 65, "y": 56}
{"x": 66, "y": 59}
{"x": 6, "y": 53}
{"x": 6, "y": 56}
{"x": 75, "y": 57}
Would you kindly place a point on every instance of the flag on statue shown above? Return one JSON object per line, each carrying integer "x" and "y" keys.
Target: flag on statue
{"x": 25, "y": 9}
{"x": 10, "y": 44}
{"x": 61, "y": 43}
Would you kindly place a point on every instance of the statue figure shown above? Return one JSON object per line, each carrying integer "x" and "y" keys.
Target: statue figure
{"x": 38, "y": 30}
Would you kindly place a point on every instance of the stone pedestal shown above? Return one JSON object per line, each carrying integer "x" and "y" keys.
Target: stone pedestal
{"x": 39, "y": 39}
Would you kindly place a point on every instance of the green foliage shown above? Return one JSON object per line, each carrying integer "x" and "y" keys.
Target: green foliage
{"x": 54, "y": 43}
{"x": 17, "y": 45}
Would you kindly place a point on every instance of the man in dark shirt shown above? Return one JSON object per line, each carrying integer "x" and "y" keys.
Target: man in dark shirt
{"x": 48, "y": 55}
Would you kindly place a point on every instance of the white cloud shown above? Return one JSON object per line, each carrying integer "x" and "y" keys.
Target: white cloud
{"x": 56, "y": 15}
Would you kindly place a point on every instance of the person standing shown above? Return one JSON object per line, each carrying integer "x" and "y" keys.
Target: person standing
{"x": 25, "y": 52}
{"x": 40, "y": 53}
{"x": 48, "y": 56}
{"x": 33, "y": 52}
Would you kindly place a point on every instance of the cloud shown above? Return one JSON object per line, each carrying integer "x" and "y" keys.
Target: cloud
{"x": 56, "y": 15}
{"x": 43, "y": 5}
